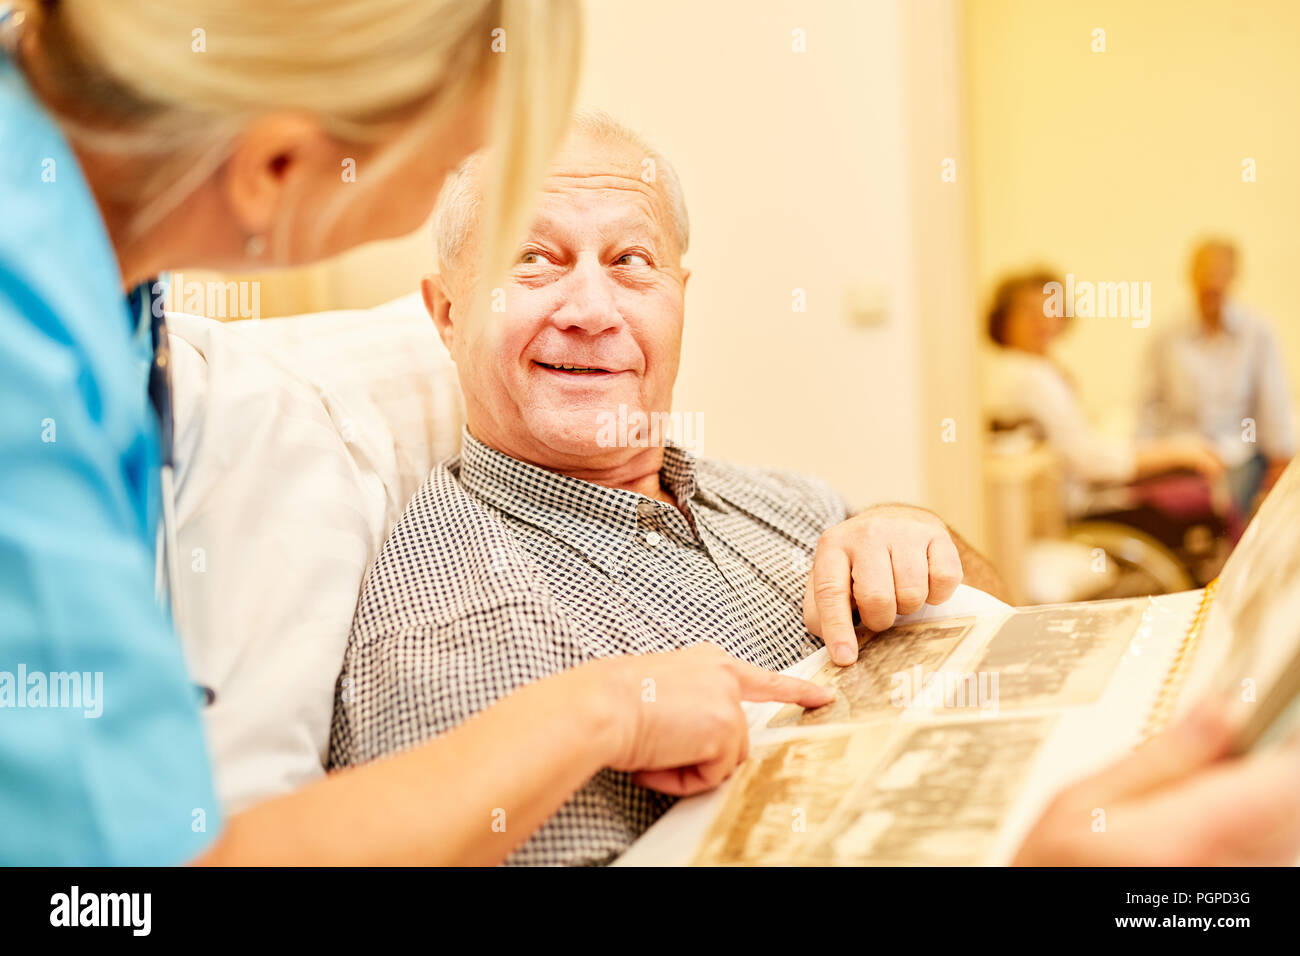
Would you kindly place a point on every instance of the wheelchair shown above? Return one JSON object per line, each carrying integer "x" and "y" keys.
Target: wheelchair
{"x": 1153, "y": 536}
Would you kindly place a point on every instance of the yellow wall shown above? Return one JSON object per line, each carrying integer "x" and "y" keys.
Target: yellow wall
{"x": 800, "y": 172}
{"x": 1109, "y": 165}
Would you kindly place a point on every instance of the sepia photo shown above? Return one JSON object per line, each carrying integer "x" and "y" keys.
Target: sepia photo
{"x": 938, "y": 799}
{"x": 1059, "y": 656}
{"x": 868, "y": 687}
{"x": 785, "y": 793}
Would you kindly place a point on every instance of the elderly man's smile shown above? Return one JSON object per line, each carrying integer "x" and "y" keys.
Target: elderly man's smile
{"x": 575, "y": 369}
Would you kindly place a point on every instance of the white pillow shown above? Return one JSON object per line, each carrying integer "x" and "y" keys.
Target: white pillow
{"x": 298, "y": 443}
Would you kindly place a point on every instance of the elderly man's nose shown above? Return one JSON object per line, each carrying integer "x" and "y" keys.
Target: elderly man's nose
{"x": 588, "y": 302}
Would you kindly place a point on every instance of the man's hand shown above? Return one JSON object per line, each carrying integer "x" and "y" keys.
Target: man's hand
{"x": 885, "y": 561}
{"x": 1177, "y": 801}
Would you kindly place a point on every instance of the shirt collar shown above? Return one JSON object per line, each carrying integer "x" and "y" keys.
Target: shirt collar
{"x": 1231, "y": 320}
{"x": 594, "y": 520}
{"x": 140, "y": 315}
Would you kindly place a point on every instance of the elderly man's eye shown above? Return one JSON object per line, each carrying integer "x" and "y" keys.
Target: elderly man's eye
{"x": 531, "y": 259}
{"x": 632, "y": 259}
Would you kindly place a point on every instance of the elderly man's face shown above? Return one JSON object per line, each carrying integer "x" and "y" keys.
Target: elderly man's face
{"x": 1213, "y": 269}
{"x": 592, "y": 318}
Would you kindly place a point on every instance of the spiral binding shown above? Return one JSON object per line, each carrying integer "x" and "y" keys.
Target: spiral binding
{"x": 1167, "y": 697}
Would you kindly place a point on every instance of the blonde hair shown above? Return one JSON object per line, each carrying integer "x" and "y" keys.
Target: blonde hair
{"x": 173, "y": 83}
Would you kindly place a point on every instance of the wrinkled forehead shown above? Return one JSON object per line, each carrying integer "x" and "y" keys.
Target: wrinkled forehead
{"x": 596, "y": 186}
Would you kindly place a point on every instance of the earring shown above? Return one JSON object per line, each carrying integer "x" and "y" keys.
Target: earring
{"x": 255, "y": 246}
{"x": 11, "y": 29}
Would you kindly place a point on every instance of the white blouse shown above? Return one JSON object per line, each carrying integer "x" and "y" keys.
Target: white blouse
{"x": 1019, "y": 386}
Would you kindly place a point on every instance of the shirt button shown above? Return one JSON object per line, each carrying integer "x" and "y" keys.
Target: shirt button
{"x": 653, "y": 539}
{"x": 645, "y": 509}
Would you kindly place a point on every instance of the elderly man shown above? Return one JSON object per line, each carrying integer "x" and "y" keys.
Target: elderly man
{"x": 547, "y": 543}
{"x": 1220, "y": 375}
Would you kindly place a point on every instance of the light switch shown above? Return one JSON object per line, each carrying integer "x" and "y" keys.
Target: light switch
{"x": 866, "y": 305}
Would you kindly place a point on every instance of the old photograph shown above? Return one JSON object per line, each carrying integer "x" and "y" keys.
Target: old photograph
{"x": 870, "y": 687}
{"x": 785, "y": 793}
{"x": 939, "y": 798}
{"x": 1059, "y": 656}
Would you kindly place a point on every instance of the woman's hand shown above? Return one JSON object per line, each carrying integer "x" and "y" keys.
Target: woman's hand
{"x": 1179, "y": 453}
{"x": 675, "y": 718}
{"x": 1177, "y": 801}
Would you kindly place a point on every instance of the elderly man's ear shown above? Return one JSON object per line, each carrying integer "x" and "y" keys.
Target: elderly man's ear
{"x": 434, "y": 289}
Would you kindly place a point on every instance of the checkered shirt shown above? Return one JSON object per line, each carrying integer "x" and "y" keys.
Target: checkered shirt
{"x": 500, "y": 573}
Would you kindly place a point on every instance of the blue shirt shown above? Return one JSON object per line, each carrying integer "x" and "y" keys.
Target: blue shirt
{"x": 1230, "y": 388}
{"x": 102, "y": 756}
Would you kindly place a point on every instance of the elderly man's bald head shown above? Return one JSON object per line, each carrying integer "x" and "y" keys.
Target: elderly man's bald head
{"x": 456, "y": 216}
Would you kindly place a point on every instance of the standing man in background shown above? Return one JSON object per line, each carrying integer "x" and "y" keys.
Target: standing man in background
{"x": 1221, "y": 376}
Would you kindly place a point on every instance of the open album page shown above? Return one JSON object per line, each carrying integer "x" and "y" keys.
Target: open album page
{"x": 943, "y": 739}
{"x": 1250, "y": 646}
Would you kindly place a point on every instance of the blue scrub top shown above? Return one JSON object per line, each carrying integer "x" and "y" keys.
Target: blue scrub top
{"x": 108, "y": 766}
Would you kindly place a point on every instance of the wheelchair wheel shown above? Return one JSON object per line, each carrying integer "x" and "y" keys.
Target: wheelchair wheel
{"x": 1146, "y": 566}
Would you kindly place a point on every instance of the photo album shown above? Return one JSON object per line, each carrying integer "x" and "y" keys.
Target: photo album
{"x": 954, "y": 728}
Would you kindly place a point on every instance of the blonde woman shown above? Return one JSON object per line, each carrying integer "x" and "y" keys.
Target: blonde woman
{"x": 143, "y": 135}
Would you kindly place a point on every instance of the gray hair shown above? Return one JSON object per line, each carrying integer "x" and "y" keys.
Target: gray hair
{"x": 456, "y": 213}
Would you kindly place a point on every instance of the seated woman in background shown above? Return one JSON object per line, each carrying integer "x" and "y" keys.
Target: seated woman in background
{"x": 1023, "y": 384}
